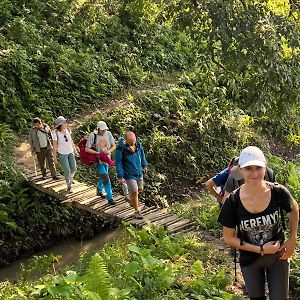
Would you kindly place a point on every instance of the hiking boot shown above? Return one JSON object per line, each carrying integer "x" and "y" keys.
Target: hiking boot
{"x": 138, "y": 215}
{"x": 70, "y": 189}
{"x": 112, "y": 202}
{"x": 55, "y": 178}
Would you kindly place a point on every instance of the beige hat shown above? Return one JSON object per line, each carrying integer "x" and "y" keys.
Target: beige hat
{"x": 102, "y": 125}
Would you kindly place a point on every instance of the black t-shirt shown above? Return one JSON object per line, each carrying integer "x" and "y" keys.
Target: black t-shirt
{"x": 253, "y": 228}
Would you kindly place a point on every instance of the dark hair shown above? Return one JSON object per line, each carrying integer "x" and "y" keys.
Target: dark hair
{"x": 233, "y": 162}
{"x": 59, "y": 127}
{"x": 37, "y": 120}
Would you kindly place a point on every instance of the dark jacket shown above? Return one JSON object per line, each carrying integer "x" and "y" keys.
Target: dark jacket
{"x": 130, "y": 164}
{"x": 33, "y": 139}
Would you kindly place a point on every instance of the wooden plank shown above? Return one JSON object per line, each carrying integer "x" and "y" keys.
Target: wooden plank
{"x": 118, "y": 197}
{"x": 93, "y": 200}
{"x": 88, "y": 193}
{"x": 123, "y": 213}
{"x": 181, "y": 228}
{"x": 179, "y": 224}
{"x": 60, "y": 188}
{"x": 41, "y": 181}
{"x": 166, "y": 221}
{"x": 78, "y": 190}
{"x": 94, "y": 203}
{"x": 147, "y": 217}
{"x": 85, "y": 201}
{"x": 177, "y": 219}
{"x": 53, "y": 183}
{"x": 128, "y": 211}
{"x": 157, "y": 217}
{"x": 117, "y": 208}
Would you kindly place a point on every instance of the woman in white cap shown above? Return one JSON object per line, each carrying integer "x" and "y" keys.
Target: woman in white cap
{"x": 253, "y": 222}
{"x": 63, "y": 149}
{"x": 93, "y": 147}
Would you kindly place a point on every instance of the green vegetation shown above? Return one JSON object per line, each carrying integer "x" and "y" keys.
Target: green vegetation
{"x": 236, "y": 80}
{"x": 147, "y": 265}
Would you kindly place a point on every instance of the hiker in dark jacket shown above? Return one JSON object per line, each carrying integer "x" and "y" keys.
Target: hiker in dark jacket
{"x": 41, "y": 146}
{"x": 131, "y": 164}
{"x": 253, "y": 222}
{"x": 215, "y": 185}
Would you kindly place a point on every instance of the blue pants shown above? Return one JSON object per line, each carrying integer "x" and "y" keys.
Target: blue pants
{"x": 68, "y": 164}
{"x": 104, "y": 181}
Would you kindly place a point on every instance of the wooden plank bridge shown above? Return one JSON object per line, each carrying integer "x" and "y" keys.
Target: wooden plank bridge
{"x": 84, "y": 197}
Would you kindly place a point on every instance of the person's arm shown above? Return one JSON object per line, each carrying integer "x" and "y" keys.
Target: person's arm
{"x": 290, "y": 244}
{"x": 90, "y": 144}
{"x": 210, "y": 185}
{"x": 54, "y": 139}
{"x": 113, "y": 148}
{"x": 113, "y": 143}
{"x": 119, "y": 166}
{"x": 231, "y": 239}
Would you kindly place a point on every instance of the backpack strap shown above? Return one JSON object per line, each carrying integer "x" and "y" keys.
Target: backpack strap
{"x": 279, "y": 196}
{"x": 95, "y": 140}
{"x": 270, "y": 175}
{"x": 56, "y": 131}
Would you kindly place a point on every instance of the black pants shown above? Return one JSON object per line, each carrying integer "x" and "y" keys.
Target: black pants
{"x": 272, "y": 269}
{"x": 44, "y": 155}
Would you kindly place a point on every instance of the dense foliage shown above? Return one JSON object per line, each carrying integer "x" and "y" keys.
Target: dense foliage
{"x": 239, "y": 80}
{"x": 60, "y": 57}
{"x": 149, "y": 265}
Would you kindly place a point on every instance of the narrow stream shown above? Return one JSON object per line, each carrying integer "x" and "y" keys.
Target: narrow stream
{"x": 70, "y": 251}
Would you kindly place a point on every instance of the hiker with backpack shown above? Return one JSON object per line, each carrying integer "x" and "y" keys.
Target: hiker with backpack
{"x": 253, "y": 222}
{"x": 64, "y": 150}
{"x": 40, "y": 141}
{"x": 131, "y": 164}
{"x": 102, "y": 143}
{"x": 215, "y": 185}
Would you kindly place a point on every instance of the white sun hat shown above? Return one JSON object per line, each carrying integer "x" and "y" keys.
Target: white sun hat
{"x": 252, "y": 156}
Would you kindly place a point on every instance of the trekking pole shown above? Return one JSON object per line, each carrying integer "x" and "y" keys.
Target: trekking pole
{"x": 34, "y": 163}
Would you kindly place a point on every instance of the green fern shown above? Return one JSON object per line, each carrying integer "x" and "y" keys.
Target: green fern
{"x": 97, "y": 279}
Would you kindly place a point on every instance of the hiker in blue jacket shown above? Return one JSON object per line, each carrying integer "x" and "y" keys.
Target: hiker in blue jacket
{"x": 131, "y": 164}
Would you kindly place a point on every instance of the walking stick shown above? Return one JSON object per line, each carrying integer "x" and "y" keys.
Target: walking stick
{"x": 34, "y": 163}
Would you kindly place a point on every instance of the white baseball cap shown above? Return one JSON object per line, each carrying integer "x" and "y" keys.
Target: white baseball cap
{"x": 102, "y": 125}
{"x": 252, "y": 156}
{"x": 60, "y": 121}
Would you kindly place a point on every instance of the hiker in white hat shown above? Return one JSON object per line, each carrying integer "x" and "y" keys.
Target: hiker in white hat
{"x": 253, "y": 222}
{"x": 93, "y": 146}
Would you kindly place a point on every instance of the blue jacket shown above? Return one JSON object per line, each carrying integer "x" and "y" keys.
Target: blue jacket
{"x": 130, "y": 164}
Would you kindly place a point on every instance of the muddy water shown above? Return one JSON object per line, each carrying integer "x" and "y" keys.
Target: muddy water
{"x": 69, "y": 249}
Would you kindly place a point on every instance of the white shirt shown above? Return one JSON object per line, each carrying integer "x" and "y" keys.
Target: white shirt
{"x": 64, "y": 142}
